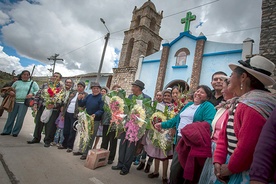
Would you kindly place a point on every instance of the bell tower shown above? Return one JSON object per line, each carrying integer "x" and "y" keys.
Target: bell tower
{"x": 142, "y": 38}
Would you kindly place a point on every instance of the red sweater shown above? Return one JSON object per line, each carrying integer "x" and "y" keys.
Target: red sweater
{"x": 248, "y": 124}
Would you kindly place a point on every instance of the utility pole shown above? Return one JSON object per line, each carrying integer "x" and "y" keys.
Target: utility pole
{"x": 54, "y": 58}
{"x": 104, "y": 49}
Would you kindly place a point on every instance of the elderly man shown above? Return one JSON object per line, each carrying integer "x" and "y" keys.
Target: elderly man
{"x": 70, "y": 114}
{"x": 127, "y": 149}
{"x": 39, "y": 106}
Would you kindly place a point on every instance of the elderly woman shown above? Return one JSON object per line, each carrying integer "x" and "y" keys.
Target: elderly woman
{"x": 19, "y": 111}
{"x": 247, "y": 116}
{"x": 207, "y": 176}
{"x": 94, "y": 107}
{"x": 200, "y": 110}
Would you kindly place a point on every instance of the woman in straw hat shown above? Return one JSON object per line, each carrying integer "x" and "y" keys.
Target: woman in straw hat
{"x": 247, "y": 115}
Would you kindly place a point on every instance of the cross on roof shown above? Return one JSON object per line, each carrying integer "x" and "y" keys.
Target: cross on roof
{"x": 189, "y": 17}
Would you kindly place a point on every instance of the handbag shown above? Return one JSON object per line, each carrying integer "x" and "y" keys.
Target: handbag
{"x": 29, "y": 102}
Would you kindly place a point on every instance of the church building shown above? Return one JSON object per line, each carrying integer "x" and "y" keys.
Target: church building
{"x": 188, "y": 60}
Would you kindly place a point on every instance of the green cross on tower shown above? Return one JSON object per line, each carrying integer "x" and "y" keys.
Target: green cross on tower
{"x": 189, "y": 17}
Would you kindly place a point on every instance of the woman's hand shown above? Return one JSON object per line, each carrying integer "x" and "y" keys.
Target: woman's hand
{"x": 29, "y": 95}
{"x": 224, "y": 171}
{"x": 157, "y": 126}
{"x": 217, "y": 171}
{"x": 11, "y": 93}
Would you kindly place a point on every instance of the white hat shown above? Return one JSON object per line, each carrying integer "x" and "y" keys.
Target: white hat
{"x": 259, "y": 67}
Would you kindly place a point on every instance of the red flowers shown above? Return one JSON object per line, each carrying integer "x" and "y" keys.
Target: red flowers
{"x": 50, "y": 92}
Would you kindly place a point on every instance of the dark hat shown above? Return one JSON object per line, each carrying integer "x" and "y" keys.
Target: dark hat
{"x": 95, "y": 84}
{"x": 139, "y": 84}
{"x": 81, "y": 83}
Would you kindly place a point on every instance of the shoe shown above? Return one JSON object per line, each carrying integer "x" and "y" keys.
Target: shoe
{"x": 136, "y": 162}
{"x": 53, "y": 144}
{"x": 116, "y": 168}
{"x": 147, "y": 169}
{"x": 33, "y": 141}
{"x": 61, "y": 147}
{"x": 69, "y": 150}
{"x": 46, "y": 145}
{"x": 110, "y": 162}
{"x": 83, "y": 157}
{"x": 77, "y": 153}
{"x": 4, "y": 134}
{"x": 141, "y": 166}
{"x": 153, "y": 175}
{"x": 123, "y": 173}
{"x": 164, "y": 180}
{"x": 14, "y": 135}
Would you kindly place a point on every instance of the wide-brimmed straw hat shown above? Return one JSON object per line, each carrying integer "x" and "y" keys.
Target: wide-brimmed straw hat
{"x": 259, "y": 67}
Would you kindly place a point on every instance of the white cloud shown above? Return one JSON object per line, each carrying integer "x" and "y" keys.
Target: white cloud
{"x": 73, "y": 29}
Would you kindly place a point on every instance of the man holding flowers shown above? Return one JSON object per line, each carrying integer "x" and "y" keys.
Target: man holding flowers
{"x": 127, "y": 148}
{"x": 48, "y": 97}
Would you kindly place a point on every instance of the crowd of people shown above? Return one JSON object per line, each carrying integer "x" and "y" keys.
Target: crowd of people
{"x": 224, "y": 135}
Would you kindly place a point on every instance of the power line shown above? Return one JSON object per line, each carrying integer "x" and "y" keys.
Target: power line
{"x": 190, "y": 9}
{"x": 82, "y": 46}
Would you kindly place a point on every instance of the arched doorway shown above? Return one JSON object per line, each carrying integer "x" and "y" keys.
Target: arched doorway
{"x": 183, "y": 85}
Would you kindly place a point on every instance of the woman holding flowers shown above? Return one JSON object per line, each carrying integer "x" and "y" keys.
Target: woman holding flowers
{"x": 19, "y": 111}
{"x": 93, "y": 104}
{"x": 154, "y": 139}
{"x": 200, "y": 110}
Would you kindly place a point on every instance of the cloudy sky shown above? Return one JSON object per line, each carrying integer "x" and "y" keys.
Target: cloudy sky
{"x": 32, "y": 31}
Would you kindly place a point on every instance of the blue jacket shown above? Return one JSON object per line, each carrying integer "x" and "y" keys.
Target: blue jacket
{"x": 94, "y": 105}
{"x": 205, "y": 112}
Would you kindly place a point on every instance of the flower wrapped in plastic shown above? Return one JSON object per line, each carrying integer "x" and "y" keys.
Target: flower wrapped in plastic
{"x": 136, "y": 125}
{"x": 161, "y": 139}
{"x": 116, "y": 107}
{"x": 85, "y": 128}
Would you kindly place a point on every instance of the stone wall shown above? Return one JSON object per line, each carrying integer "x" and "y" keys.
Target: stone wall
{"x": 268, "y": 33}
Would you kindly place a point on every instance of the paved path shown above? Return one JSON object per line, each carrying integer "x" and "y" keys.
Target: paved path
{"x": 33, "y": 164}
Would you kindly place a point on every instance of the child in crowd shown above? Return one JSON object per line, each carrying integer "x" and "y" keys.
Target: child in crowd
{"x": 59, "y": 132}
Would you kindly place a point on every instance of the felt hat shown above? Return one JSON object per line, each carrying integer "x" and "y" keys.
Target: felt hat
{"x": 95, "y": 84}
{"x": 139, "y": 84}
{"x": 259, "y": 67}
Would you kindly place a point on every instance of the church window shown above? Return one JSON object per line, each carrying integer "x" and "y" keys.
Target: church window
{"x": 152, "y": 24}
{"x": 181, "y": 56}
{"x": 137, "y": 22}
{"x": 129, "y": 52}
{"x": 149, "y": 48}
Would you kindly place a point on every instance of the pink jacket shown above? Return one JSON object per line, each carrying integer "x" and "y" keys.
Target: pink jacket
{"x": 193, "y": 149}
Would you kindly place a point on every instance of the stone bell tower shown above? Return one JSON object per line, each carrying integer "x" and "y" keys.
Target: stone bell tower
{"x": 142, "y": 38}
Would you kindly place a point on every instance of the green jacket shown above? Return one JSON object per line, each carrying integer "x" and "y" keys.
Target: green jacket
{"x": 205, "y": 112}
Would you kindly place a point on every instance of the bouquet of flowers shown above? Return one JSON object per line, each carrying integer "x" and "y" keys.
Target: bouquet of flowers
{"x": 181, "y": 101}
{"x": 136, "y": 125}
{"x": 85, "y": 127}
{"x": 116, "y": 106}
{"x": 160, "y": 139}
{"x": 51, "y": 95}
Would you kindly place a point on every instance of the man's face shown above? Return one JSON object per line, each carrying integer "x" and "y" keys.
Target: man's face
{"x": 217, "y": 82}
{"x": 136, "y": 90}
{"x": 96, "y": 90}
{"x": 68, "y": 84}
{"x": 56, "y": 77}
